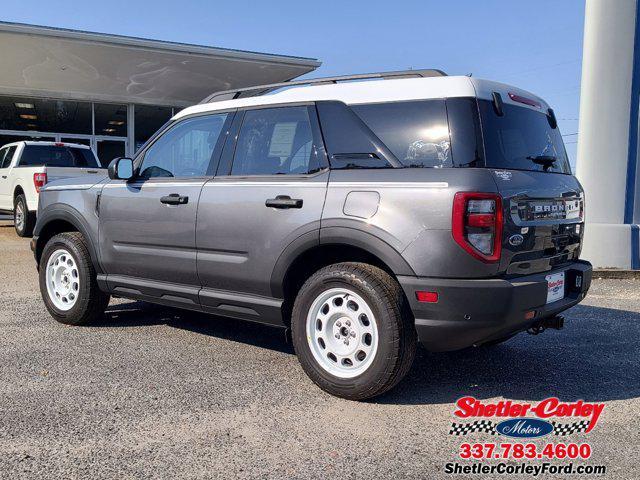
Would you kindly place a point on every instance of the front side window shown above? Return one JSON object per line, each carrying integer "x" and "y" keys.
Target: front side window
{"x": 416, "y": 132}
{"x": 185, "y": 150}
{"x": 275, "y": 141}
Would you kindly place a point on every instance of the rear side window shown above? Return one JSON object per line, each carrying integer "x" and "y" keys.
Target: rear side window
{"x": 6, "y": 156}
{"x": 275, "y": 141}
{"x": 416, "y": 132}
{"x": 57, "y": 156}
{"x": 520, "y": 139}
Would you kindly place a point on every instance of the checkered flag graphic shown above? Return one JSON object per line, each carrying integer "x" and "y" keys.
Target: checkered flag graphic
{"x": 485, "y": 426}
{"x": 563, "y": 429}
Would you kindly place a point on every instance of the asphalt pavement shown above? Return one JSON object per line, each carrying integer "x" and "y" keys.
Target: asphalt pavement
{"x": 152, "y": 392}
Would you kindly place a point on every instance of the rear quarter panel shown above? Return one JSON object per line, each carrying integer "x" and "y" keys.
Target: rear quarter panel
{"x": 412, "y": 215}
{"x": 23, "y": 177}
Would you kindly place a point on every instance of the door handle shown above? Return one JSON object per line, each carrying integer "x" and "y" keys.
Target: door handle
{"x": 4, "y": 176}
{"x": 284, "y": 201}
{"x": 174, "y": 199}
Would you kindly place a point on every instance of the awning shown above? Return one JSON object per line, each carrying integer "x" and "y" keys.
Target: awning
{"x": 71, "y": 64}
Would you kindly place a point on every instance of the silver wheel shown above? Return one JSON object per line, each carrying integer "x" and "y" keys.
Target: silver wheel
{"x": 63, "y": 280}
{"x": 342, "y": 332}
{"x": 19, "y": 216}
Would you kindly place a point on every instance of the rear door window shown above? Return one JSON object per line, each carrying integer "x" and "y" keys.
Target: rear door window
{"x": 276, "y": 141}
{"x": 416, "y": 132}
{"x": 6, "y": 156}
{"x": 57, "y": 156}
{"x": 520, "y": 138}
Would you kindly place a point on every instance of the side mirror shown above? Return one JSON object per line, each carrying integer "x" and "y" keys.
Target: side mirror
{"x": 121, "y": 168}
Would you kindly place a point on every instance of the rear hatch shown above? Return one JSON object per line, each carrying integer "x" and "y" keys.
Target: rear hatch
{"x": 543, "y": 204}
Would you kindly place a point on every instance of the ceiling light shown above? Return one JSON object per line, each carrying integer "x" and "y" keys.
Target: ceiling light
{"x": 28, "y": 116}
{"x": 116, "y": 122}
{"x": 23, "y": 105}
{"x": 109, "y": 130}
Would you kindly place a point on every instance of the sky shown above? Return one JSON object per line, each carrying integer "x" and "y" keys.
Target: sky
{"x": 533, "y": 45}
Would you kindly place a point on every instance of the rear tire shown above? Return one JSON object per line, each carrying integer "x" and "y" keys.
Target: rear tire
{"x": 23, "y": 219}
{"x": 68, "y": 282}
{"x": 352, "y": 330}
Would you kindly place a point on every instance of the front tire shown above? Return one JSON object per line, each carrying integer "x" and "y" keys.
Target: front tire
{"x": 68, "y": 282}
{"x": 23, "y": 219}
{"x": 352, "y": 330}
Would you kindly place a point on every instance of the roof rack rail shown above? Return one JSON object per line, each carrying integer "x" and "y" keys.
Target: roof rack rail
{"x": 257, "y": 90}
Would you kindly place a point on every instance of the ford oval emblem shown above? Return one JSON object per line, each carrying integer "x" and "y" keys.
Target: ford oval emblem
{"x": 524, "y": 428}
{"x": 516, "y": 240}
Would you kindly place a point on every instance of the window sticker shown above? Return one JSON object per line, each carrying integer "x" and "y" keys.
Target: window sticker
{"x": 282, "y": 139}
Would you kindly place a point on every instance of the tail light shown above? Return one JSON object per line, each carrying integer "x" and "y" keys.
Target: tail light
{"x": 39, "y": 180}
{"x": 527, "y": 101}
{"x": 477, "y": 224}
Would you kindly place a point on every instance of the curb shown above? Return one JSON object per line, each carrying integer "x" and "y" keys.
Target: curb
{"x": 613, "y": 274}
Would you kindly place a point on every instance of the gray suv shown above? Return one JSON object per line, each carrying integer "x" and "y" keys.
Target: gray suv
{"x": 364, "y": 216}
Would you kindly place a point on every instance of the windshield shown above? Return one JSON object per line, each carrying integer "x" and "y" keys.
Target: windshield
{"x": 57, "y": 156}
{"x": 521, "y": 139}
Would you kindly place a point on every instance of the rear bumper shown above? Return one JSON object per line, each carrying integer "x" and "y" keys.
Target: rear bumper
{"x": 470, "y": 312}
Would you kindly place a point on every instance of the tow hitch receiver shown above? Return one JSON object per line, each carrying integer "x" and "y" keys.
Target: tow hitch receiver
{"x": 556, "y": 323}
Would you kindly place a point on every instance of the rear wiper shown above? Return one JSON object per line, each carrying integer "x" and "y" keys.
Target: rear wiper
{"x": 545, "y": 160}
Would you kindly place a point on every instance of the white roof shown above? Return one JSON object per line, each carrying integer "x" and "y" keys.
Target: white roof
{"x": 47, "y": 144}
{"x": 358, "y": 92}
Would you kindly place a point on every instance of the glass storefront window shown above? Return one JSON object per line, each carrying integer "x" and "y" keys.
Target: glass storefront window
{"x": 148, "y": 119}
{"x": 81, "y": 141}
{"x": 4, "y": 139}
{"x": 110, "y": 119}
{"x": 110, "y": 149}
{"x": 45, "y": 119}
{"x": 45, "y": 115}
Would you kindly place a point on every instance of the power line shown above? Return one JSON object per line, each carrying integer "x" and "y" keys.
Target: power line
{"x": 542, "y": 67}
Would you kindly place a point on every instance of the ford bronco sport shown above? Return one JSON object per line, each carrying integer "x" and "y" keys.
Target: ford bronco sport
{"x": 361, "y": 215}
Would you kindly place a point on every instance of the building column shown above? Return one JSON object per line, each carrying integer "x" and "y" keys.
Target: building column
{"x": 607, "y": 164}
{"x": 131, "y": 130}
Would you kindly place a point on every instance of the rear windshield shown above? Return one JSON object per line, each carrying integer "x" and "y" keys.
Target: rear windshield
{"x": 416, "y": 132}
{"x": 57, "y": 156}
{"x": 521, "y": 139}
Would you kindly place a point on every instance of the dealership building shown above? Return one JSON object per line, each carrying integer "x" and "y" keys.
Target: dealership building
{"x": 113, "y": 92}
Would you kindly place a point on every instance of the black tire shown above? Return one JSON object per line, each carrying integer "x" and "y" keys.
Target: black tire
{"x": 23, "y": 228}
{"x": 396, "y": 330}
{"x": 91, "y": 302}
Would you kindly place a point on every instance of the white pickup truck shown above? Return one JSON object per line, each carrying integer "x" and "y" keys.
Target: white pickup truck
{"x": 27, "y": 166}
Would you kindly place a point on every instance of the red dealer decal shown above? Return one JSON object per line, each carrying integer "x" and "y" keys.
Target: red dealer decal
{"x": 547, "y": 408}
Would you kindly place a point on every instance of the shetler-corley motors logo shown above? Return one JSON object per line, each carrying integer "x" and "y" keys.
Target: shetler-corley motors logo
{"x": 525, "y": 420}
